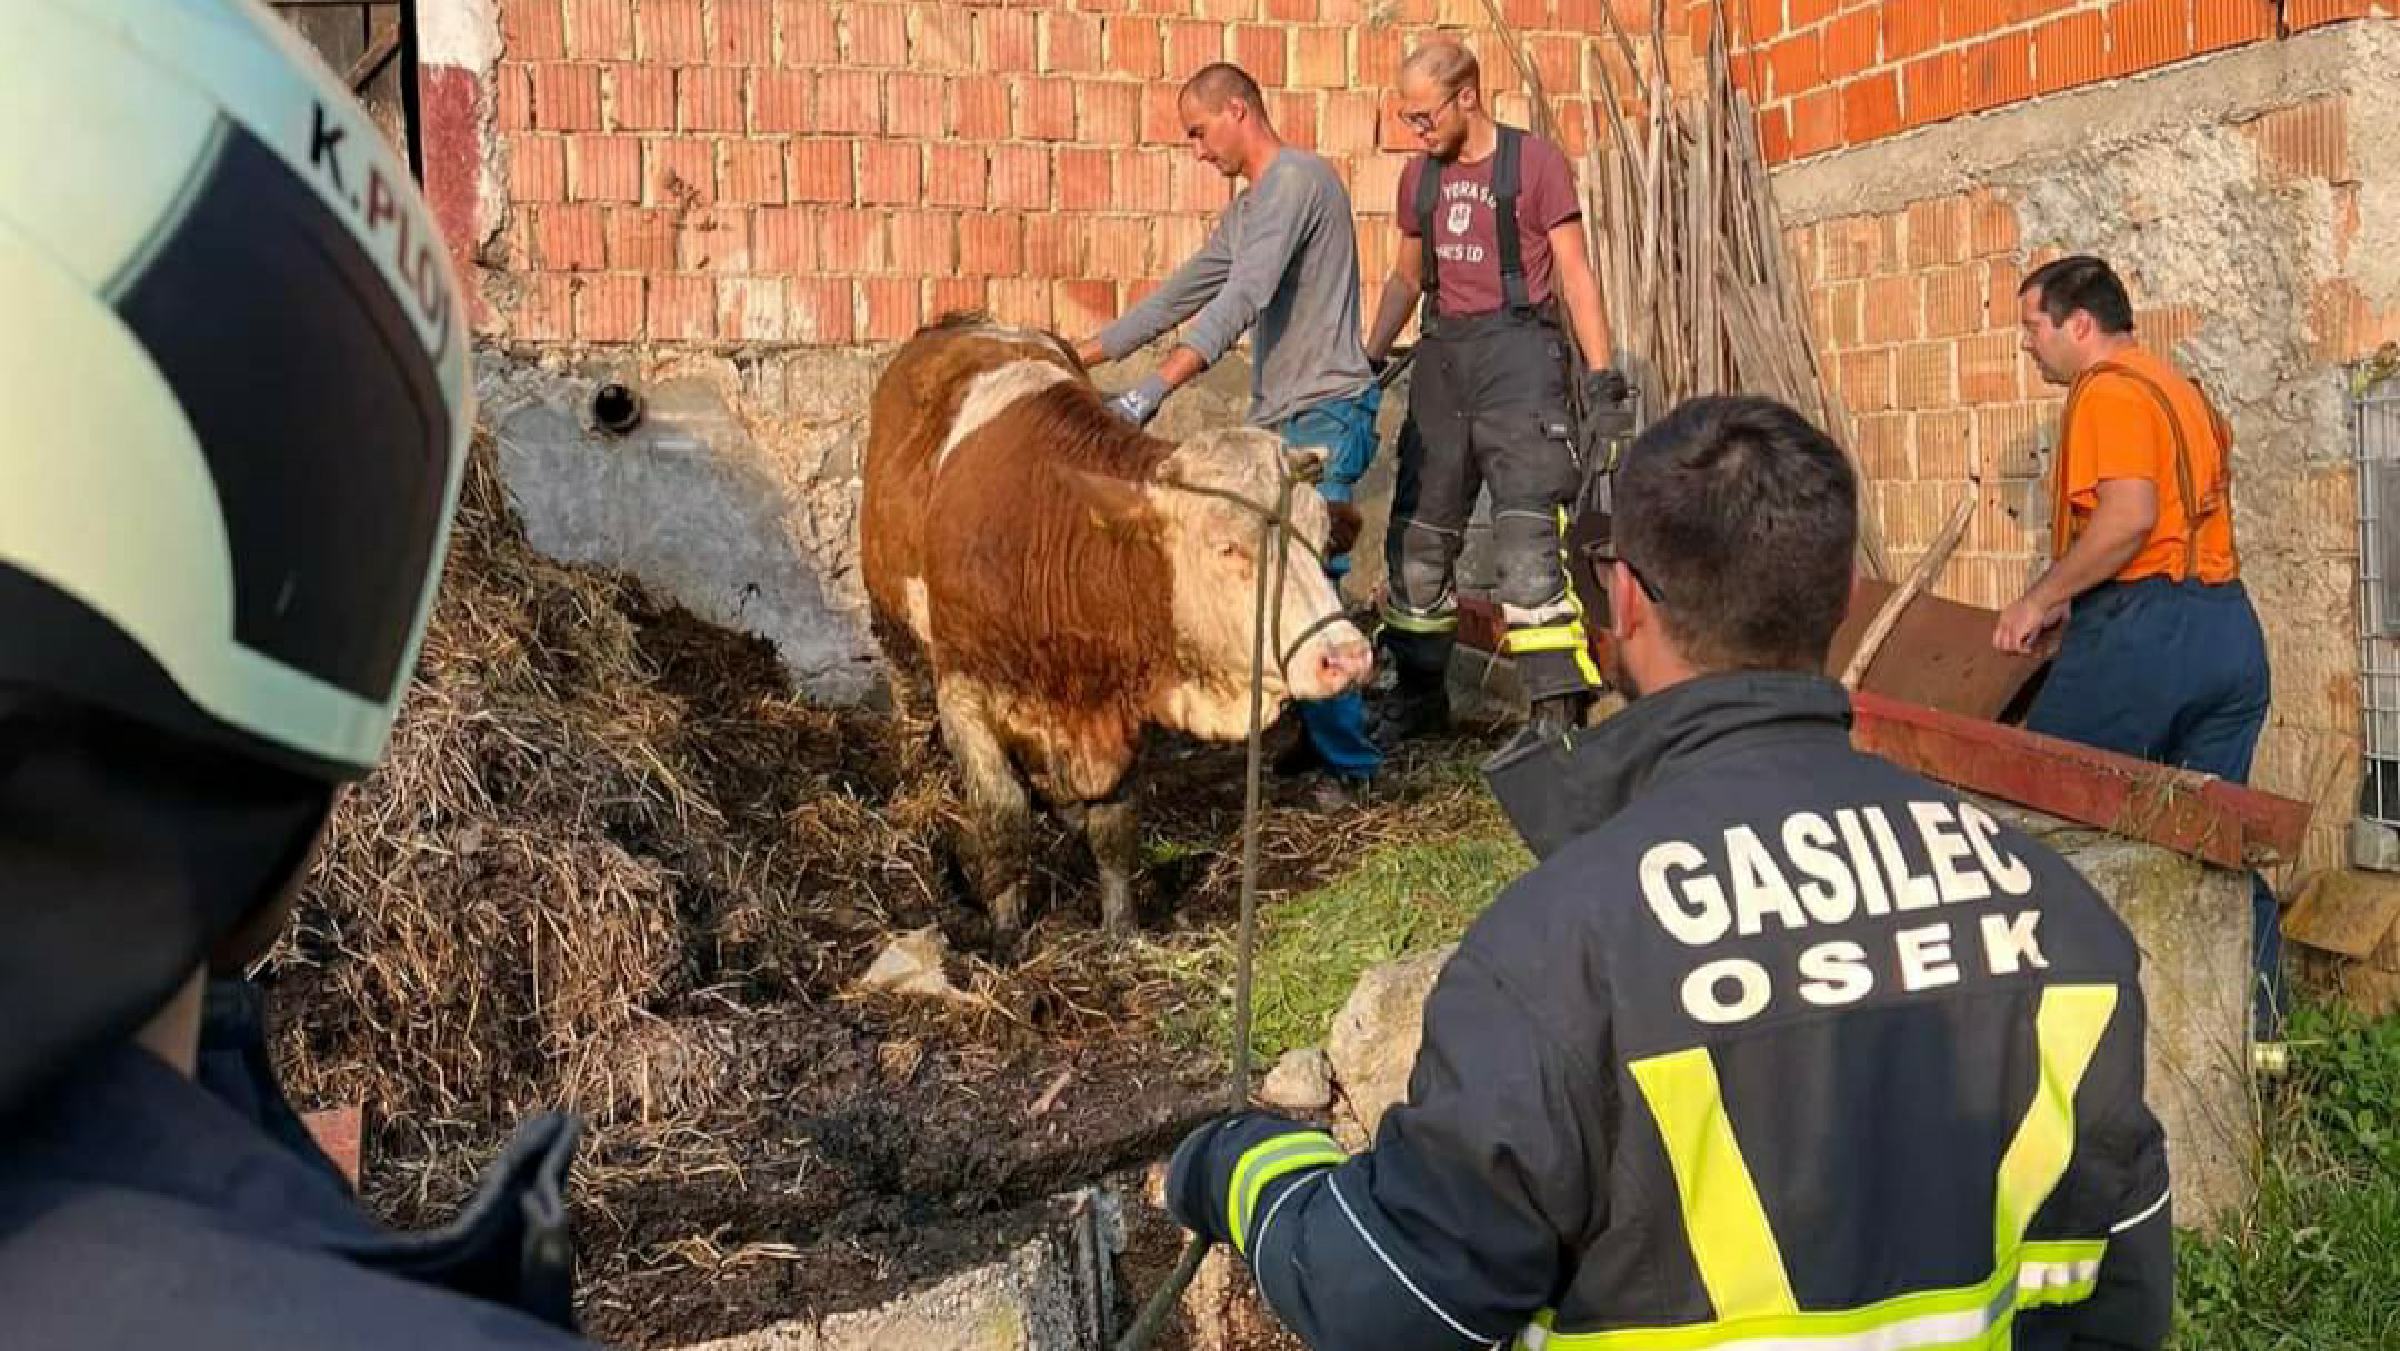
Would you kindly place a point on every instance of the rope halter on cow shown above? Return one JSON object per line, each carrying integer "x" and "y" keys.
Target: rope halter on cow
{"x": 1278, "y": 530}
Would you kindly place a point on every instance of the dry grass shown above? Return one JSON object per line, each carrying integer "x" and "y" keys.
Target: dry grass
{"x": 612, "y": 864}
{"x": 597, "y": 813}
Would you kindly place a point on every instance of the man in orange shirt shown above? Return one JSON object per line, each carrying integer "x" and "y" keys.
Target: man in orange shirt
{"x": 2162, "y": 657}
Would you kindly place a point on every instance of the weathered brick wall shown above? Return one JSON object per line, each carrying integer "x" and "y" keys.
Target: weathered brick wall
{"x": 1916, "y": 309}
{"x": 2250, "y": 236}
{"x": 830, "y": 172}
{"x": 1835, "y": 73}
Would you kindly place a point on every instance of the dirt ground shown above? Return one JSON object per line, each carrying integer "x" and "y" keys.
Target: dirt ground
{"x": 615, "y": 866}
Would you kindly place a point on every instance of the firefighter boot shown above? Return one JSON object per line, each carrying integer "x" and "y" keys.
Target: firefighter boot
{"x": 1419, "y": 704}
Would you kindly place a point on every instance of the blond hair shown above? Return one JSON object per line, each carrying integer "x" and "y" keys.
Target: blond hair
{"x": 1447, "y": 62}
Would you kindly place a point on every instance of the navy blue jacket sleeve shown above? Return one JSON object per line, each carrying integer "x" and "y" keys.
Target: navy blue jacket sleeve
{"x": 1456, "y": 1228}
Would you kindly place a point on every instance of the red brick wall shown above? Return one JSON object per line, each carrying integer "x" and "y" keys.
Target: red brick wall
{"x": 836, "y": 171}
{"x": 1917, "y": 309}
{"x": 1835, "y": 73}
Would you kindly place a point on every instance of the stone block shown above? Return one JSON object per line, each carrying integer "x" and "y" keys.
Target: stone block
{"x": 2192, "y": 922}
{"x": 1049, "y": 1294}
{"x": 1377, "y": 1033}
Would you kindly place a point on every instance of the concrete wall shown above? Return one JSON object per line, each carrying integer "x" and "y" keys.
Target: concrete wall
{"x": 2192, "y": 923}
{"x": 2242, "y": 199}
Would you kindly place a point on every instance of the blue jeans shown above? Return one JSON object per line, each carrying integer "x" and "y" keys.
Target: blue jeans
{"x": 2174, "y": 672}
{"x": 1345, "y": 430}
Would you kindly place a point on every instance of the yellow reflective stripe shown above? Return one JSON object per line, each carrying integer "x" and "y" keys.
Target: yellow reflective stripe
{"x": 2067, "y": 1031}
{"x": 2059, "y": 1271}
{"x": 1743, "y": 1271}
{"x": 1972, "y": 1318}
{"x": 1416, "y": 623}
{"x": 1583, "y": 649}
{"x": 1547, "y": 638}
{"x": 1726, "y": 1222}
{"x": 1263, "y": 1163}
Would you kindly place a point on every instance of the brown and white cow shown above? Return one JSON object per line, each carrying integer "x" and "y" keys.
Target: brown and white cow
{"x": 1066, "y": 581}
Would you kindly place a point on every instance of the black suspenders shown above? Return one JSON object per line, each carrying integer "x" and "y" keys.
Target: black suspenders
{"x": 1505, "y": 187}
{"x": 1512, "y": 244}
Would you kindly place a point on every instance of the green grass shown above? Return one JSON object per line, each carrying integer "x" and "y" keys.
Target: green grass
{"x": 2317, "y": 1265}
{"x": 1312, "y": 947}
{"x": 1402, "y": 899}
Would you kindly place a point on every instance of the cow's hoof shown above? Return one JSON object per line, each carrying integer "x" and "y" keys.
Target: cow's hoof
{"x": 1118, "y": 918}
{"x": 1010, "y": 946}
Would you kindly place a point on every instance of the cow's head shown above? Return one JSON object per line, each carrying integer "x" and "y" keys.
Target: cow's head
{"x": 1214, "y": 494}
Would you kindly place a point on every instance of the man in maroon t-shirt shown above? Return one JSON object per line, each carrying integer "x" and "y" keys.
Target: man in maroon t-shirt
{"x": 1488, "y": 401}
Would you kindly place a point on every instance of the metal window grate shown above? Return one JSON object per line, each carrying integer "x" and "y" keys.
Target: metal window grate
{"x": 2375, "y": 420}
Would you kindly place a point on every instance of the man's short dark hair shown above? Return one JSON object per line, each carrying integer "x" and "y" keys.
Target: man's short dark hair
{"x": 1741, "y": 516}
{"x": 1213, "y": 84}
{"x": 2081, "y": 282}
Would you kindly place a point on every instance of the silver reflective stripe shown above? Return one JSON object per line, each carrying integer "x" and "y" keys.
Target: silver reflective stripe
{"x": 2036, "y": 1276}
{"x": 1437, "y": 1310}
{"x": 2155, "y": 1206}
{"x": 1259, "y": 1244}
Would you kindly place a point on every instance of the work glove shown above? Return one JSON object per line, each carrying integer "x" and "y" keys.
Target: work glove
{"x": 1605, "y": 388}
{"x": 1343, "y": 521}
{"x": 1202, "y": 1173}
{"x": 1194, "y": 1197}
{"x": 1141, "y": 403}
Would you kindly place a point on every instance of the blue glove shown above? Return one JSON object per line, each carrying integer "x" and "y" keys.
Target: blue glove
{"x": 1140, "y": 404}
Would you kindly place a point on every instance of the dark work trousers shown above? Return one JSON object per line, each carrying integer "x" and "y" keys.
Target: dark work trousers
{"x": 1487, "y": 404}
{"x": 2174, "y": 672}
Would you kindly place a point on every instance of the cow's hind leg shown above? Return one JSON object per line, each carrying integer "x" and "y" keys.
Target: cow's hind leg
{"x": 1115, "y": 835}
{"x": 999, "y": 815}
{"x": 909, "y": 684}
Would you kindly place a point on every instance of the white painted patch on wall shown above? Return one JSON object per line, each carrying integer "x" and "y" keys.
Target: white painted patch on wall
{"x": 463, "y": 33}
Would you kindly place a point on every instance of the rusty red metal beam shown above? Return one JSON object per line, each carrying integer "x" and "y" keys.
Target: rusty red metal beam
{"x": 2190, "y": 813}
{"x": 2193, "y": 814}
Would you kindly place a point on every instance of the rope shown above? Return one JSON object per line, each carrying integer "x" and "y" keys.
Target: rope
{"x": 1271, "y": 534}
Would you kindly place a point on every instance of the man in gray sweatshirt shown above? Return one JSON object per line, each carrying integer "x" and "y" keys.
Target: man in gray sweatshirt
{"x": 1283, "y": 257}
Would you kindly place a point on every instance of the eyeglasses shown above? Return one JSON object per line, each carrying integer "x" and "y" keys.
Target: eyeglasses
{"x": 1598, "y": 557}
{"x": 1423, "y": 122}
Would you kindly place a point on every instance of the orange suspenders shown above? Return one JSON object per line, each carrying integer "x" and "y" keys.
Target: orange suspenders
{"x": 2195, "y": 509}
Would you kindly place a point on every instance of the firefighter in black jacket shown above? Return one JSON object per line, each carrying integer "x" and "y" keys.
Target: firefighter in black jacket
{"x": 1778, "y": 1046}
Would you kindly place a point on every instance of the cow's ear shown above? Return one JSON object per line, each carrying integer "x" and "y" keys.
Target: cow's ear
{"x": 1108, "y": 499}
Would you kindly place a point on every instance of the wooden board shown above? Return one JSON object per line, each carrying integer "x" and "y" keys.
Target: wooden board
{"x": 1939, "y": 655}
